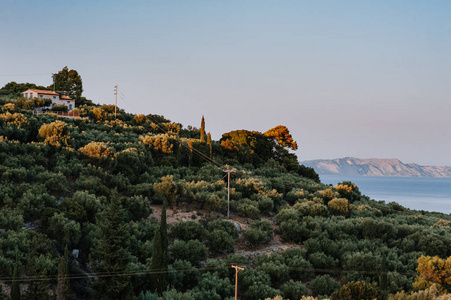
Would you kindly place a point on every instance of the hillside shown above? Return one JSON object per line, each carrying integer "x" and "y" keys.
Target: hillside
{"x": 135, "y": 206}
{"x": 375, "y": 167}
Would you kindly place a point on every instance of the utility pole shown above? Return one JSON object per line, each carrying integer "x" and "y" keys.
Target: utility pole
{"x": 237, "y": 268}
{"x": 54, "y": 80}
{"x": 228, "y": 191}
{"x": 115, "y": 103}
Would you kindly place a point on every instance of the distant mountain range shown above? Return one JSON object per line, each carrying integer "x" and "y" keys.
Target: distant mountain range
{"x": 374, "y": 167}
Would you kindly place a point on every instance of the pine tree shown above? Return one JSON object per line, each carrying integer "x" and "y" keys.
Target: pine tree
{"x": 69, "y": 81}
{"x": 15, "y": 286}
{"x": 63, "y": 287}
{"x": 202, "y": 130}
{"x": 109, "y": 257}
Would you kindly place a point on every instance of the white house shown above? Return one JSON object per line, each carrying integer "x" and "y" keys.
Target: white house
{"x": 57, "y": 98}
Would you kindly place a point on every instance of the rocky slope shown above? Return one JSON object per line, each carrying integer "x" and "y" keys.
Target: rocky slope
{"x": 375, "y": 167}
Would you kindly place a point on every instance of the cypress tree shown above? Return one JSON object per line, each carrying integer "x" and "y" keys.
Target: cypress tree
{"x": 38, "y": 287}
{"x": 164, "y": 232}
{"x": 383, "y": 278}
{"x": 63, "y": 287}
{"x": 159, "y": 260}
{"x": 209, "y": 143}
{"x": 2, "y": 294}
{"x": 109, "y": 256}
{"x": 190, "y": 155}
{"x": 158, "y": 265}
{"x": 202, "y": 130}
{"x": 15, "y": 286}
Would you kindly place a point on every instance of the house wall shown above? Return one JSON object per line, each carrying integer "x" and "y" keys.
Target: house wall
{"x": 68, "y": 103}
{"x": 55, "y": 99}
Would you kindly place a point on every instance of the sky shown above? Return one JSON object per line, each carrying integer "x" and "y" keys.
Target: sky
{"x": 366, "y": 79}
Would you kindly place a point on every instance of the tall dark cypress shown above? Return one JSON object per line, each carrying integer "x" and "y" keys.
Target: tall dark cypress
{"x": 202, "y": 130}
{"x": 63, "y": 286}
{"x": 383, "y": 278}
{"x": 209, "y": 144}
{"x": 158, "y": 265}
{"x": 38, "y": 287}
{"x": 15, "y": 286}
{"x": 3, "y": 296}
{"x": 164, "y": 231}
{"x": 159, "y": 260}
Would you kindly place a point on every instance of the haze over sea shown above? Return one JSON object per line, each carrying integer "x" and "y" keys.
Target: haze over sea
{"x": 420, "y": 193}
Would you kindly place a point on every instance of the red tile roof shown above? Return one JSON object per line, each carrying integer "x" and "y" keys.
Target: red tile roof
{"x": 43, "y": 92}
{"x": 65, "y": 98}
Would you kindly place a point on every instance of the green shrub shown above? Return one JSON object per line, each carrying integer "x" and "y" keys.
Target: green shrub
{"x": 259, "y": 232}
{"x": 138, "y": 207}
{"x": 324, "y": 285}
{"x": 187, "y": 230}
{"x": 294, "y": 290}
{"x": 220, "y": 241}
{"x": 184, "y": 275}
{"x": 11, "y": 219}
{"x": 320, "y": 260}
{"x": 356, "y": 290}
{"x": 224, "y": 225}
{"x": 212, "y": 287}
{"x": 192, "y": 251}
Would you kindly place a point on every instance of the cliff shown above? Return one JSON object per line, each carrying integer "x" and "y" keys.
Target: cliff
{"x": 375, "y": 167}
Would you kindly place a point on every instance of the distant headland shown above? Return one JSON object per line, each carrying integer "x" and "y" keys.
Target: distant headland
{"x": 375, "y": 167}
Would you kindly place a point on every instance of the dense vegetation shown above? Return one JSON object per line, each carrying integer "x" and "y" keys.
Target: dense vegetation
{"x": 76, "y": 196}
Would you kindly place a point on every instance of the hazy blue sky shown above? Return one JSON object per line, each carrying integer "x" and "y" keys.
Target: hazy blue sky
{"x": 349, "y": 78}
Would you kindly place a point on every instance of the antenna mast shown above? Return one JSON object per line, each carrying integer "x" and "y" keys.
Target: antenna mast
{"x": 54, "y": 80}
{"x": 228, "y": 191}
{"x": 115, "y": 103}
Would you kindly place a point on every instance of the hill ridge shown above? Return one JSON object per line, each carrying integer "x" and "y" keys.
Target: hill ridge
{"x": 375, "y": 167}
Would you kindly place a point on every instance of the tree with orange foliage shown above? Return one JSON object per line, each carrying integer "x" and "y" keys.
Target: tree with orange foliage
{"x": 433, "y": 270}
{"x": 282, "y": 136}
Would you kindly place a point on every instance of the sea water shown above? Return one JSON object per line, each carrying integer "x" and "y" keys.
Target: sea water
{"x": 420, "y": 193}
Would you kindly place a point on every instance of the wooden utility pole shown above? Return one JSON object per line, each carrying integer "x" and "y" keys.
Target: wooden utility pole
{"x": 115, "y": 104}
{"x": 54, "y": 81}
{"x": 237, "y": 268}
{"x": 228, "y": 191}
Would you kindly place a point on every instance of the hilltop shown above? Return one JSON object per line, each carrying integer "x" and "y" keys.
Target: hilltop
{"x": 375, "y": 167}
{"x": 125, "y": 206}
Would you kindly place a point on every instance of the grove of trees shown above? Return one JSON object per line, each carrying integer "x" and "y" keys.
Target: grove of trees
{"x": 76, "y": 196}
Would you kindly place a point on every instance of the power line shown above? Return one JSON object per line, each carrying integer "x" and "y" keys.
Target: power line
{"x": 206, "y": 269}
{"x": 16, "y": 75}
{"x": 274, "y": 184}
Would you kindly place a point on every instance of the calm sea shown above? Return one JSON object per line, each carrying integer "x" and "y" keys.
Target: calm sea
{"x": 430, "y": 194}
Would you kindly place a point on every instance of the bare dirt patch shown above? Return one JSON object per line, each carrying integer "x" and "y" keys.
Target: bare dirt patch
{"x": 185, "y": 214}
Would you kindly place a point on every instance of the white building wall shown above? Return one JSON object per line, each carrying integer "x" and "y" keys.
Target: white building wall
{"x": 28, "y": 94}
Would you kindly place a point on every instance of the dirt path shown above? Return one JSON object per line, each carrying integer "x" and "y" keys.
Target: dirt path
{"x": 184, "y": 214}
